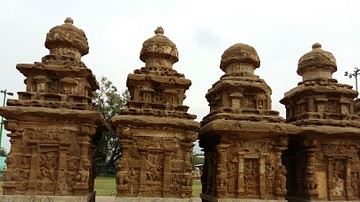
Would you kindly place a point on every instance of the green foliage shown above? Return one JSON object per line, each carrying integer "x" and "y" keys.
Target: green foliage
{"x": 196, "y": 159}
{"x": 110, "y": 102}
{"x": 2, "y": 151}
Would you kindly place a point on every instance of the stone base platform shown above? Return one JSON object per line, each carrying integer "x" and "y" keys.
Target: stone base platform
{"x": 152, "y": 199}
{"x": 214, "y": 199}
{"x": 246, "y": 200}
{"x": 294, "y": 199}
{"x": 41, "y": 198}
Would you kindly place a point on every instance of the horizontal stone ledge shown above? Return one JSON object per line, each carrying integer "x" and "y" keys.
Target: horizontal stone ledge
{"x": 46, "y": 198}
{"x": 155, "y": 199}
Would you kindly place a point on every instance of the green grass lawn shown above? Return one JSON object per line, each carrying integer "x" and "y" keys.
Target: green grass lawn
{"x": 105, "y": 186}
{"x": 196, "y": 188}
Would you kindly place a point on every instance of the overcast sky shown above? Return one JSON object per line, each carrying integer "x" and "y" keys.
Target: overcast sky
{"x": 280, "y": 31}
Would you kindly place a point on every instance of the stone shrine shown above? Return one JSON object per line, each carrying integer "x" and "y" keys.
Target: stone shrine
{"x": 322, "y": 160}
{"x": 156, "y": 133}
{"x": 53, "y": 124}
{"x": 242, "y": 137}
{"x": 251, "y": 153}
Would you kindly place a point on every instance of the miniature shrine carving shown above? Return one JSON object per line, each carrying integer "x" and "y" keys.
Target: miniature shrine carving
{"x": 322, "y": 159}
{"x": 242, "y": 137}
{"x": 156, "y": 132}
{"x": 53, "y": 123}
{"x": 251, "y": 153}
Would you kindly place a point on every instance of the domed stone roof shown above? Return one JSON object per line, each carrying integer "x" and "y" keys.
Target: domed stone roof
{"x": 318, "y": 63}
{"x": 239, "y": 53}
{"x": 159, "y": 46}
{"x": 67, "y": 39}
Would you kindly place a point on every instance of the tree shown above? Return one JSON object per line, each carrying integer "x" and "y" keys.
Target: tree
{"x": 196, "y": 159}
{"x": 110, "y": 102}
{"x": 2, "y": 151}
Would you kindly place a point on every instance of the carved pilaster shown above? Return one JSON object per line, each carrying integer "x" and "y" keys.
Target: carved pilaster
{"x": 166, "y": 174}
{"x": 222, "y": 174}
{"x": 240, "y": 168}
{"x": 310, "y": 177}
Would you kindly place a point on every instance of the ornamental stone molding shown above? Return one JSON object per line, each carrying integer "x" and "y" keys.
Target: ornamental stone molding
{"x": 156, "y": 133}
{"x": 53, "y": 124}
{"x": 242, "y": 137}
{"x": 322, "y": 160}
{"x": 251, "y": 153}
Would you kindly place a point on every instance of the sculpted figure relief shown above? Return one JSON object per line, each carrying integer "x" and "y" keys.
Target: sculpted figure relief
{"x": 48, "y": 165}
{"x": 280, "y": 181}
{"x": 52, "y": 155}
{"x": 50, "y": 152}
{"x": 162, "y": 131}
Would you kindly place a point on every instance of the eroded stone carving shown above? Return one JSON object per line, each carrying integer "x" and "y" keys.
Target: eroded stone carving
{"x": 53, "y": 122}
{"x": 322, "y": 160}
{"x": 156, "y": 132}
{"x": 242, "y": 137}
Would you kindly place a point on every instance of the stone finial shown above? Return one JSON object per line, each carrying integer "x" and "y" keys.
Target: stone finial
{"x": 69, "y": 20}
{"x": 239, "y": 57}
{"x": 317, "y": 64}
{"x": 159, "y": 51}
{"x": 159, "y": 31}
{"x": 67, "y": 40}
{"x": 316, "y": 45}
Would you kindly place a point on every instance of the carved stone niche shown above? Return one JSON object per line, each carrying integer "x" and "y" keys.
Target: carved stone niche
{"x": 245, "y": 169}
{"x": 172, "y": 97}
{"x": 236, "y": 100}
{"x": 53, "y": 125}
{"x": 325, "y": 170}
{"x": 69, "y": 85}
{"x": 146, "y": 94}
{"x": 156, "y": 133}
{"x": 154, "y": 166}
{"x": 40, "y": 84}
{"x": 242, "y": 137}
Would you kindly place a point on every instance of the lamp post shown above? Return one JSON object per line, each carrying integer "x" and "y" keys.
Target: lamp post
{"x": 355, "y": 74}
{"x": 2, "y": 118}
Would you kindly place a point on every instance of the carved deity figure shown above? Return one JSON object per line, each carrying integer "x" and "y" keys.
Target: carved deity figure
{"x": 83, "y": 174}
{"x": 337, "y": 180}
{"x": 48, "y": 165}
{"x": 153, "y": 168}
{"x": 310, "y": 182}
{"x": 280, "y": 181}
{"x": 124, "y": 176}
{"x": 221, "y": 179}
{"x": 251, "y": 176}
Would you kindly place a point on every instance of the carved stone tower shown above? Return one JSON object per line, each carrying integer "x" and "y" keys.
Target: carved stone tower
{"x": 156, "y": 132}
{"x": 323, "y": 159}
{"x": 53, "y": 124}
{"x": 242, "y": 137}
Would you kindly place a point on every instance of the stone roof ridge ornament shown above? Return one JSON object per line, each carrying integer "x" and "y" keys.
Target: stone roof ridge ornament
{"x": 240, "y": 59}
{"x": 159, "y": 53}
{"x": 317, "y": 64}
{"x": 67, "y": 40}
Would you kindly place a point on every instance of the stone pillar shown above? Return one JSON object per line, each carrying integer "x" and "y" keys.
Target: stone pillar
{"x": 318, "y": 158}
{"x": 52, "y": 124}
{"x": 156, "y": 131}
{"x": 242, "y": 137}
